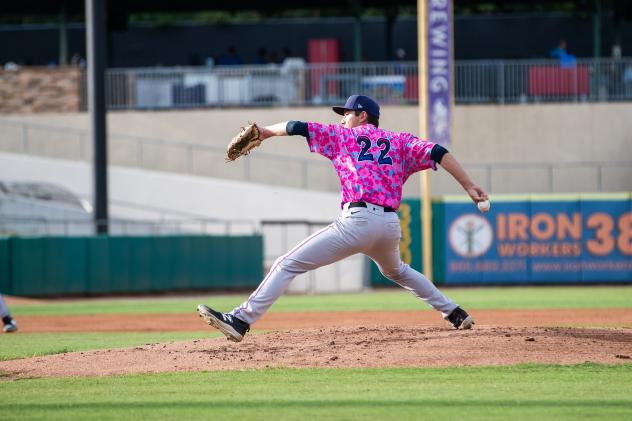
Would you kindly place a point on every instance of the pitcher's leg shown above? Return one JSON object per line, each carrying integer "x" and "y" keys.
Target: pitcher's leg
{"x": 321, "y": 248}
{"x": 391, "y": 266}
{"x": 422, "y": 288}
{"x": 4, "y": 310}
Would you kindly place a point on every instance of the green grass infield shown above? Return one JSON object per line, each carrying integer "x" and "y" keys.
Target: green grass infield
{"x": 25, "y": 345}
{"x": 587, "y": 391}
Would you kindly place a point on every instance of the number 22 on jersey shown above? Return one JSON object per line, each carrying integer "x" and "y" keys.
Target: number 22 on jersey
{"x": 383, "y": 144}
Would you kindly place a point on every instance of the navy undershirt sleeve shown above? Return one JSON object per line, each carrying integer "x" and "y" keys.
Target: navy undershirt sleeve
{"x": 297, "y": 128}
{"x": 437, "y": 152}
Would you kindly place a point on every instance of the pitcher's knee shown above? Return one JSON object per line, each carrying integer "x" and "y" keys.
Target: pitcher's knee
{"x": 293, "y": 266}
{"x": 395, "y": 274}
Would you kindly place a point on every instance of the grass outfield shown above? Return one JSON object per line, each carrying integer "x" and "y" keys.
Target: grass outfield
{"x": 383, "y": 300}
{"x": 520, "y": 392}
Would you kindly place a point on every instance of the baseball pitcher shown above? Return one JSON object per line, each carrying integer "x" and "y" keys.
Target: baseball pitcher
{"x": 372, "y": 164}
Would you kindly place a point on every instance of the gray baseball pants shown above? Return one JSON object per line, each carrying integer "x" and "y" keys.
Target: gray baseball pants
{"x": 367, "y": 230}
{"x": 4, "y": 311}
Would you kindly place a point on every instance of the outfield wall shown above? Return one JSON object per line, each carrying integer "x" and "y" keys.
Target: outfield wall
{"x": 572, "y": 239}
{"x": 524, "y": 239}
{"x": 51, "y": 266}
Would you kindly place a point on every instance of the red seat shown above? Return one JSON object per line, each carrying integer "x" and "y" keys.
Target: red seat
{"x": 556, "y": 80}
{"x": 411, "y": 88}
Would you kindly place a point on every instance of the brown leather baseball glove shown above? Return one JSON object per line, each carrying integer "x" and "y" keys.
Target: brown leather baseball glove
{"x": 244, "y": 142}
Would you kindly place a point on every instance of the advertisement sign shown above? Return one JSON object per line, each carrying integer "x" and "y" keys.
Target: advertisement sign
{"x": 539, "y": 241}
{"x": 409, "y": 244}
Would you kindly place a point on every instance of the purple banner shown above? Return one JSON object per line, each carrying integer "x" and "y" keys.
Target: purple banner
{"x": 439, "y": 35}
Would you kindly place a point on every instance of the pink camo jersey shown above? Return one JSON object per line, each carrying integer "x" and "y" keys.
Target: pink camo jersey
{"x": 373, "y": 164}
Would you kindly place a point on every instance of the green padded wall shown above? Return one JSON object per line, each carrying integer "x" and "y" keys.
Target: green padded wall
{"x": 5, "y": 266}
{"x": 50, "y": 265}
{"x": 101, "y": 265}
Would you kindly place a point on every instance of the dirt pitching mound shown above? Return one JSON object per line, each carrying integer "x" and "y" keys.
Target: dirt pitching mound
{"x": 345, "y": 347}
{"x": 620, "y": 317}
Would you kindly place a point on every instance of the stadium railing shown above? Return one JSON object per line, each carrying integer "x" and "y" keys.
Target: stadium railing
{"x": 300, "y": 84}
{"x": 45, "y": 225}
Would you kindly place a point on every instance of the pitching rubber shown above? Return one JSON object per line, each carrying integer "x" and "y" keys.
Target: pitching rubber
{"x": 230, "y": 333}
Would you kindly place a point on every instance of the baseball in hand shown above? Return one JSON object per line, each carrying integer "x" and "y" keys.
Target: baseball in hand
{"x": 484, "y": 206}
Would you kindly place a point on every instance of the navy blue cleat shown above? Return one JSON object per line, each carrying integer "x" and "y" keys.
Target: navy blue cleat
{"x": 10, "y": 326}
{"x": 460, "y": 319}
{"x": 229, "y": 325}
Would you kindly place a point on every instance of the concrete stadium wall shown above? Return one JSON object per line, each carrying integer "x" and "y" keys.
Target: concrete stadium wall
{"x": 508, "y": 149}
{"x": 166, "y": 195}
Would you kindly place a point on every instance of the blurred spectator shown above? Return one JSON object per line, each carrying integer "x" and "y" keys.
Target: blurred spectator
{"x": 230, "y": 58}
{"x": 261, "y": 58}
{"x": 616, "y": 51}
{"x": 77, "y": 60}
{"x": 400, "y": 56}
{"x": 11, "y": 66}
{"x": 615, "y": 70}
{"x": 559, "y": 52}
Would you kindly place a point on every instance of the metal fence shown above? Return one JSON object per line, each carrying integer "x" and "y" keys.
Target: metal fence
{"x": 536, "y": 81}
{"x": 297, "y": 83}
{"x": 11, "y": 225}
{"x": 25, "y": 212}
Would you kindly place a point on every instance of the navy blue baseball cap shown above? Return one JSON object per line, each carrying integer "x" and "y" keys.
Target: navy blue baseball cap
{"x": 359, "y": 103}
